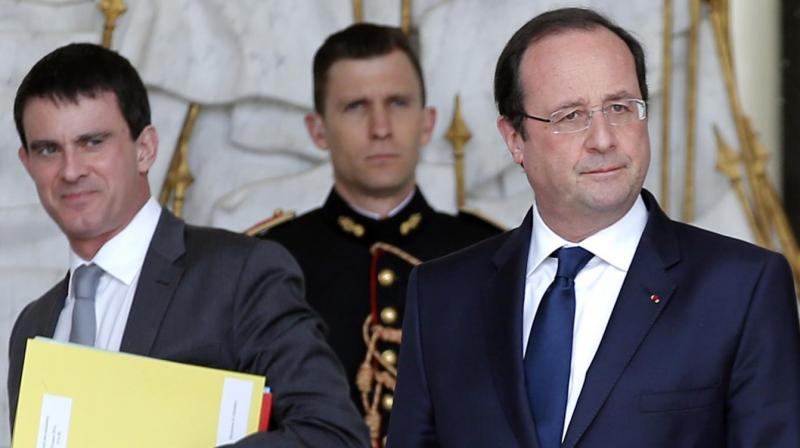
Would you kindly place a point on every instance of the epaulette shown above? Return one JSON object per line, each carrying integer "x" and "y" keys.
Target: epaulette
{"x": 278, "y": 217}
{"x": 477, "y": 217}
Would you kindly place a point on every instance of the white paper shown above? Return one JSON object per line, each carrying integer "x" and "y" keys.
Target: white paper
{"x": 54, "y": 421}
{"x": 234, "y": 410}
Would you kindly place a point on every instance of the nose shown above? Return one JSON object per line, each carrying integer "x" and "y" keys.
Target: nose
{"x": 600, "y": 136}
{"x": 73, "y": 167}
{"x": 380, "y": 124}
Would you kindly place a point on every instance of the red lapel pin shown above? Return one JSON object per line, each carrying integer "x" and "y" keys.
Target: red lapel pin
{"x": 655, "y": 298}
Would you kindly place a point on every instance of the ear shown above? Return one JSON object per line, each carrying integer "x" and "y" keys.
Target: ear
{"x": 23, "y": 157}
{"x": 316, "y": 129}
{"x": 512, "y": 138}
{"x": 428, "y": 123}
{"x": 146, "y": 149}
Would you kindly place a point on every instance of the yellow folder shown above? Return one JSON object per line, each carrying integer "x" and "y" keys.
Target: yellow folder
{"x": 77, "y": 396}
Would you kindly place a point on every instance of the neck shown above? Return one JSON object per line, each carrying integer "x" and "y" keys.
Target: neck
{"x": 87, "y": 247}
{"x": 380, "y": 205}
{"x": 575, "y": 227}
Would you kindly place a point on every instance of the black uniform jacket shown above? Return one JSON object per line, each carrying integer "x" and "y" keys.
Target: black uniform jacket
{"x": 346, "y": 281}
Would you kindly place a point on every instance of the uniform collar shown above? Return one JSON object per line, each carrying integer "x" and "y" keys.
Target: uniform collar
{"x": 404, "y": 224}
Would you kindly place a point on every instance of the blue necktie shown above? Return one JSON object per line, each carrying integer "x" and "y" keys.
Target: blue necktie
{"x": 549, "y": 353}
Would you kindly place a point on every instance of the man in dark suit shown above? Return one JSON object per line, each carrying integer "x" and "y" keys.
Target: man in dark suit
{"x": 357, "y": 250}
{"x": 651, "y": 333}
{"x": 162, "y": 288}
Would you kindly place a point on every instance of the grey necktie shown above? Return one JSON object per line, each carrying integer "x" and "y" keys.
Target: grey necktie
{"x": 83, "y": 321}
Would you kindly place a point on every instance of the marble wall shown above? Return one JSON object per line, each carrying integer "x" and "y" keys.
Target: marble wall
{"x": 248, "y": 63}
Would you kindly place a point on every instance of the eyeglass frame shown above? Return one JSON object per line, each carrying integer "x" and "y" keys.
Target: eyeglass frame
{"x": 642, "y": 107}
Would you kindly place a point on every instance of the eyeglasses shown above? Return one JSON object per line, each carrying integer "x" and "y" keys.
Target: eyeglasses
{"x": 575, "y": 119}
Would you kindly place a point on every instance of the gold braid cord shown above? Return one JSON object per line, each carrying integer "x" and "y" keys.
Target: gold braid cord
{"x": 396, "y": 251}
{"x": 375, "y": 374}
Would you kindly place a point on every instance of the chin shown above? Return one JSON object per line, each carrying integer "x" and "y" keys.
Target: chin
{"x": 80, "y": 229}
{"x": 612, "y": 201}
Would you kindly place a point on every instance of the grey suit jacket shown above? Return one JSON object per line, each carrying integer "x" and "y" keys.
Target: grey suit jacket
{"x": 219, "y": 299}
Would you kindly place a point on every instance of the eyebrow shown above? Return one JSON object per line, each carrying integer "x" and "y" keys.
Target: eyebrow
{"x": 83, "y": 138}
{"x": 618, "y": 95}
{"x": 39, "y": 144}
{"x": 368, "y": 98}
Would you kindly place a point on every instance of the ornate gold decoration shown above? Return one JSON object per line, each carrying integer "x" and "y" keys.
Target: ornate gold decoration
{"x": 179, "y": 177}
{"x": 691, "y": 112}
{"x": 728, "y": 163}
{"x": 405, "y": 16}
{"x": 396, "y": 251}
{"x": 719, "y": 20}
{"x": 458, "y": 135}
{"x": 348, "y": 225}
{"x": 666, "y": 105}
{"x": 768, "y": 214}
{"x": 358, "y": 11}
{"x": 278, "y": 217}
{"x": 111, "y": 9}
{"x": 410, "y": 224}
{"x": 376, "y": 375}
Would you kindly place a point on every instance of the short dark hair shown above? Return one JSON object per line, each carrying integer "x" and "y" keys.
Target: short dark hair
{"x": 508, "y": 93}
{"x": 83, "y": 69}
{"x": 360, "y": 41}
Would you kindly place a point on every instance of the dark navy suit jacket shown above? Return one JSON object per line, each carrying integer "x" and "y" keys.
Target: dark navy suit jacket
{"x": 715, "y": 363}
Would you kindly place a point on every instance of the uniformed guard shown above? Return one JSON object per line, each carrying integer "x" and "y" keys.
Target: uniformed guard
{"x": 357, "y": 250}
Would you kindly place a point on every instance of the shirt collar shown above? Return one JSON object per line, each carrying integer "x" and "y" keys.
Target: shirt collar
{"x": 123, "y": 255}
{"x": 616, "y": 244}
{"x": 377, "y": 217}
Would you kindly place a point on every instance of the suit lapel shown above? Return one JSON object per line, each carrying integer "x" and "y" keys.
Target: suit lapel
{"x": 503, "y": 297}
{"x": 633, "y": 316}
{"x": 158, "y": 280}
{"x": 55, "y": 303}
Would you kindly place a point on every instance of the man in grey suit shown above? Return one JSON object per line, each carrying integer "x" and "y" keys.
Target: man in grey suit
{"x": 162, "y": 288}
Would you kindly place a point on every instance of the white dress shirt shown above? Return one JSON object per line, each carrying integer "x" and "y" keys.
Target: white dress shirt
{"x": 597, "y": 286}
{"x": 121, "y": 259}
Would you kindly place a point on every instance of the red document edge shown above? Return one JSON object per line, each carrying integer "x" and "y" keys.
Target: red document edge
{"x": 266, "y": 409}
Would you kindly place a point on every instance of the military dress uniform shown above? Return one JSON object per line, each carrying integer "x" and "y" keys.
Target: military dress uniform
{"x": 352, "y": 269}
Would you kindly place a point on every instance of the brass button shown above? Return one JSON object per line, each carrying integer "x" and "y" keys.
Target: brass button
{"x": 389, "y": 315}
{"x": 389, "y": 357}
{"x": 386, "y": 277}
{"x": 387, "y": 402}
